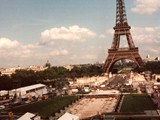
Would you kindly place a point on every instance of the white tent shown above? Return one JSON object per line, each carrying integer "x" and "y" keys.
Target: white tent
{"x": 68, "y": 116}
{"x": 32, "y": 90}
{"x": 29, "y": 116}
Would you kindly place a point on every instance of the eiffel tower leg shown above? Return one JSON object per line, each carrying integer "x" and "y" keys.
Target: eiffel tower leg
{"x": 107, "y": 66}
{"x": 109, "y": 62}
{"x": 139, "y": 60}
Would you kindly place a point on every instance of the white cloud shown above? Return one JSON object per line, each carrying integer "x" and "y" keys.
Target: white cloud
{"x": 89, "y": 57}
{"x": 81, "y": 59}
{"x": 147, "y": 39}
{"x": 110, "y": 31}
{"x": 62, "y": 52}
{"x": 15, "y": 53}
{"x": 146, "y": 6}
{"x": 14, "y": 49}
{"x": 102, "y": 36}
{"x": 153, "y": 51}
{"x": 72, "y": 33}
{"x": 7, "y": 43}
{"x": 146, "y": 35}
{"x": 20, "y": 53}
{"x": 31, "y": 46}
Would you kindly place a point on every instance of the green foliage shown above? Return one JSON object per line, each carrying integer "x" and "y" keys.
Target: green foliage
{"x": 137, "y": 103}
{"x": 57, "y": 75}
{"x": 60, "y": 83}
{"x": 53, "y": 73}
{"x": 91, "y": 70}
{"x": 47, "y": 107}
{"x": 5, "y": 82}
{"x": 153, "y": 66}
{"x": 24, "y": 78}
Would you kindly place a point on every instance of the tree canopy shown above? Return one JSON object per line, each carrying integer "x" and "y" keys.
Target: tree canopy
{"x": 58, "y": 76}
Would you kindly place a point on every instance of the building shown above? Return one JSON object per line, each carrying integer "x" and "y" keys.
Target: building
{"x": 32, "y": 90}
{"x": 48, "y": 64}
{"x": 36, "y": 68}
{"x": 9, "y": 71}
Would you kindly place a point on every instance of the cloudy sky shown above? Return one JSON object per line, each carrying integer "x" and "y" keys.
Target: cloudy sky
{"x": 71, "y": 31}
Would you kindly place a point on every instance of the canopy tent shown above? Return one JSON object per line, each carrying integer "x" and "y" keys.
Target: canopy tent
{"x": 29, "y": 116}
{"x": 68, "y": 116}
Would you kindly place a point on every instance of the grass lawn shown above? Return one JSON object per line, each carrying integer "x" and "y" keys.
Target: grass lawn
{"x": 137, "y": 103}
{"x": 46, "y": 107}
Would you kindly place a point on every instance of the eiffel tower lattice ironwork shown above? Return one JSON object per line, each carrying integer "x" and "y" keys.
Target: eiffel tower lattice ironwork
{"x": 122, "y": 28}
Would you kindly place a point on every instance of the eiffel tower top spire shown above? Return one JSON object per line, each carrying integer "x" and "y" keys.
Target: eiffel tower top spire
{"x": 121, "y": 17}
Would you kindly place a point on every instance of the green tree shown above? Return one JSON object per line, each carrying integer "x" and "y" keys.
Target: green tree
{"x": 60, "y": 83}
{"x": 5, "y": 82}
{"x": 24, "y": 77}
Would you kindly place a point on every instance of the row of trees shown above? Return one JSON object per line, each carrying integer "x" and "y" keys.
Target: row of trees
{"x": 152, "y": 66}
{"x": 57, "y": 76}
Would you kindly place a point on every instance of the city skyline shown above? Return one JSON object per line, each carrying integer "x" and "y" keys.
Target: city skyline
{"x": 72, "y": 32}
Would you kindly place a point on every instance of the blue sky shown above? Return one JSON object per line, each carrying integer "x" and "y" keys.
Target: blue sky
{"x": 71, "y": 31}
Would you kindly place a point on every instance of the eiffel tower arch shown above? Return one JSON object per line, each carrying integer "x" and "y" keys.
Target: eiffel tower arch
{"x": 116, "y": 52}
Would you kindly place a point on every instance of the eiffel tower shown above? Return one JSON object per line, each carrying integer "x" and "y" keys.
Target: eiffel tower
{"x": 115, "y": 53}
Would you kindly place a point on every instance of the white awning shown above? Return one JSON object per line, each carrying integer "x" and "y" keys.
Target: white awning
{"x": 68, "y": 116}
